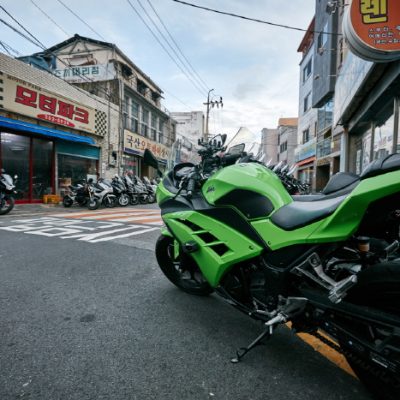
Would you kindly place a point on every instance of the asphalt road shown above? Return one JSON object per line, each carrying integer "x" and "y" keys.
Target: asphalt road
{"x": 99, "y": 321}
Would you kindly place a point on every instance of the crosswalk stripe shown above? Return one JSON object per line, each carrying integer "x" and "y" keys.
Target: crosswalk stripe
{"x": 106, "y": 212}
{"x": 123, "y": 235}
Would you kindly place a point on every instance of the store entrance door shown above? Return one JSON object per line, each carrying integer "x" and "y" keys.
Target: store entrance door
{"x": 32, "y": 160}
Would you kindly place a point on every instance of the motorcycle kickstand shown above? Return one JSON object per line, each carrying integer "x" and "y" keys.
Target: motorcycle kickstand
{"x": 244, "y": 350}
{"x": 267, "y": 333}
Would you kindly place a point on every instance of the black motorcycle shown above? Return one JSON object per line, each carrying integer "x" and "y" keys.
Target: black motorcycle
{"x": 7, "y": 192}
{"x": 83, "y": 195}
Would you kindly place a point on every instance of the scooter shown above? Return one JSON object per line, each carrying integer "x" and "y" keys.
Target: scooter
{"x": 7, "y": 192}
{"x": 104, "y": 192}
{"x": 131, "y": 190}
{"x": 120, "y": 191}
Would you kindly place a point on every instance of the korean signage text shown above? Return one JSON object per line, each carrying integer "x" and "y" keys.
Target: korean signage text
{"x": 99, "y": 72}
{"x": 136, "y": 144}
{"x": 31, "y": 100}
{"x": 372, "y": 28}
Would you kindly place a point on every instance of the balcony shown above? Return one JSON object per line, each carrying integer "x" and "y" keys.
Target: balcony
{"x": 324, "y": 148}
{"x": 306, "y": 150}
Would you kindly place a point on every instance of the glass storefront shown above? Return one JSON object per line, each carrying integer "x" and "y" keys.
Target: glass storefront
{"x": 35, "y": 162}
{"x": 131, "y": 164}
{"x": 32, "y": 160}
{"x": 73, "y": 169}
{"x": 383, "y": 139}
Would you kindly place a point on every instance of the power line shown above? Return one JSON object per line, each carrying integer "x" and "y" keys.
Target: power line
{"x": 7, "y": 47}
{"x": 19, "y": 24}
{"x": 177, "y": 46}
{"x": 162, "y": 45}
{"x": 254, "y": 19}
{"x": 80, "y": 19}
{"x": 171, "y": 47}
{"x": 51, "y": 19}
{"x": 87, "y": 79}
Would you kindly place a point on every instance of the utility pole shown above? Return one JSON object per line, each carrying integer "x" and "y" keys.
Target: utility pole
{"x": 212, "y": 103}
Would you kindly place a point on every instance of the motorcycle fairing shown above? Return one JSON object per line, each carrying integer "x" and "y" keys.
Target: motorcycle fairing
{"x": 218, "y": 247}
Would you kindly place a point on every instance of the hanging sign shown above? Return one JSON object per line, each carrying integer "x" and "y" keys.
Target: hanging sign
{"x": 372, "y": 29}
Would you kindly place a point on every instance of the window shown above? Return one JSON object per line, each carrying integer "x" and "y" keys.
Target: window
{"x": 307, "y": 102}
{"x": 144, "y": 128}
{"x": 134, "y": 117}
{"x": 283, "y": 147}
{"x": 125, "y": 110}
{"x": 153, "y": 126}
{"x": 307, "y": 70}
{"x": 160, "y": 131}
{"x": 322, "y": 39}
{"x": 306, "y": 135}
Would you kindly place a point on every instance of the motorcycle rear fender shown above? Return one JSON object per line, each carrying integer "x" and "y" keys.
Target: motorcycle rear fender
{"x": 218, "y": 245}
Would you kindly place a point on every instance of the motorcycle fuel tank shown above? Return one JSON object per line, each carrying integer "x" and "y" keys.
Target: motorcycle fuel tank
{"x": 252, "y": 188}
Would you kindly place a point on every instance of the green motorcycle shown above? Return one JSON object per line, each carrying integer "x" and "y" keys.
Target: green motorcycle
{"x": 327, "y": 263}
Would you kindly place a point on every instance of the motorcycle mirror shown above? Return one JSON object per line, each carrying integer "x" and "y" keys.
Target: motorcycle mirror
{"x": 150, "y": 159}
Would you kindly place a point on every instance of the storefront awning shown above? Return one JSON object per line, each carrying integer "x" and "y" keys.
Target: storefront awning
{"x": 41, "y": 130}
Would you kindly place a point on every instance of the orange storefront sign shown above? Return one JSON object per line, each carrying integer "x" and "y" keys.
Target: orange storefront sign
{"x": 372, "y": 29}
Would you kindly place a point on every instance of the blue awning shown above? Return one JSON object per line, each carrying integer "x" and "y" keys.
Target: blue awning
{"x": 41, "y": 130}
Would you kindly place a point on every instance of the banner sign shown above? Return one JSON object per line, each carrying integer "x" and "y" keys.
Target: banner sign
{"x": 99, "y": 72}
{"x": 33, "y": 101}
{"x": 372, "y": 29}
{"x": 136, "y": 144}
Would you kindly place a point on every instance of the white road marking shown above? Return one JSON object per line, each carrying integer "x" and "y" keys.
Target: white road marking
{"x": 124, "y": 235}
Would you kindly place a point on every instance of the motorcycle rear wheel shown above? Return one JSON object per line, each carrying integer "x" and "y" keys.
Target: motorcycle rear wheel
{"x": 6, "y": 205}
{"x": 378, "y": 288}
{"x": 123, "y": 200}
{"x": 151, "y": 198}
{"x": 133, "y": 200}
{"x": 186, "y": 276}
{"x": 143, "y": 199}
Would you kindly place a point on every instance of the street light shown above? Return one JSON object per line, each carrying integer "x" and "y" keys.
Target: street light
{"x": 212, "y": 103}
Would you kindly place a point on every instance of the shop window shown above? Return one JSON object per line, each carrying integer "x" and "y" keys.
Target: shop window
{"x": 42, "y": 161}
{"x": 383, "y": 138}
{"x": 73, "y": 170}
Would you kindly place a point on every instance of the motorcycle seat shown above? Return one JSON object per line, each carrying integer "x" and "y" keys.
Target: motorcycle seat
{"x": 301, "y": 213}
{"x": 340, "y": 184}
{"x": 381, "y": 166}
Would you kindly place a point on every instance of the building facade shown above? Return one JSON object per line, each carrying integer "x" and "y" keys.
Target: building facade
{"x": 103, "y": 69}
{"x": 189, "y": 129}
{"x": 269, "y": 143}
{"x": 305, "y": 152}
{"x": 325, "y": 65}
{"x": 287, "y": 140}
{"x": 51, "y": 133}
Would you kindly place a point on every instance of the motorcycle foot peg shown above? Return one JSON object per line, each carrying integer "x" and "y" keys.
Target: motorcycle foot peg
{"x": 190, "y": 247}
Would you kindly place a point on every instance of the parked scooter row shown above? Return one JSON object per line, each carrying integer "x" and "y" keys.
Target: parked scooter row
{"x": 121, "y": 191}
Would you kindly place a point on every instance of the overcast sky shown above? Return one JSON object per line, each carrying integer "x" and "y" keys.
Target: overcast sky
{"x": 254, "y": 67}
